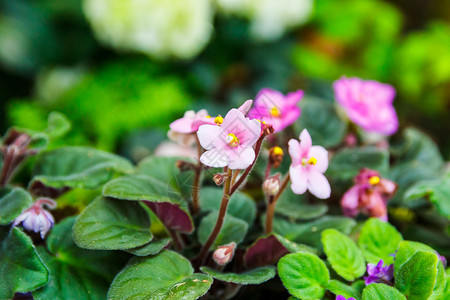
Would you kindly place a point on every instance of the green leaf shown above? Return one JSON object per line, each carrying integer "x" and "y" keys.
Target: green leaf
{"x": 78, "y": 167}
{"x": 417, "y": 277}
{"x": 255, "y": 276}
{"x": 322, "y": 121}
{"x": 76, "y": 273}
{"x": 304, "y": 275}
{"x": 379, "y": 240}
{"x": 159, "y": 196}
{"x": 12, "y": 202}
{"x": 339, "y": 288}
{"x": 233, "y": 229}
{"x": 240, "y": 206}
{"x": 167, "y": 275}
{"x": 437, "y": 191}
{"x": 346, "y": 163}
{"x": 110, "y": 224}
{"x": 152, "y": 248}
{"x": 406, "y": 250}
{"x": 295, "y": 206}
{"x": 21, "y": 269}
{"x": 58, "y": 125}
{"x": 343, "y": 254}
{"x": 310, "y": 233}
{"x": 380, "y": 291}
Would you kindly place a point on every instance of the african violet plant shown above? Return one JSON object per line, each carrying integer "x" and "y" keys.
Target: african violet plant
{"x": 238, "y": 214}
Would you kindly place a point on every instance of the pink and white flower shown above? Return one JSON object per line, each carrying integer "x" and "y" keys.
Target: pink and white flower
{"x": 36, "y": 218}
{"x": 272, "y": 107}
{"x": 231, "y": 143}
{"x": 369, "y": 195}
{"x": 368, "y": 104}
{"x": 307, "y": 167}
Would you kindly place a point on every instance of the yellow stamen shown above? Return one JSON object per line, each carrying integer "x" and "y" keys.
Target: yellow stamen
{"x": 277, "y": 151}
{"x": 275, "y": 112}
{"x": 218, "y": 120}
{"x": 312, "y": 161}
{"x": 374, "y": 180}
{"x": 208, "y": 116}
{"x": 232, "y": 140}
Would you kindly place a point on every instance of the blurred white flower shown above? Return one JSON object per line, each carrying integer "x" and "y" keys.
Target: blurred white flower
{"x": 269, "y": 19}
{"x": 160, "y": 28}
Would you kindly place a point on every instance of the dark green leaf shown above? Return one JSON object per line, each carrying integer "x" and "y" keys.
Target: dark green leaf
{"x": 346, "y": 163}
{"x": 380, "y": 291}
{"x": 167, "y": 275}
{"x": 304, "y": 275}
{"x": 152, "y": 248}
{"x": 76, "y": 273}
{"x": 343, "y": 254}
{"x": 255, "y": 276}
{"x": 379, "y": 240}
{"x": 294, "y": 206}
{"x": 233, "y": 229}
{"x": 21, "y": 269}
{"x": 78, "y": 167}
{"x": 110, "y": 224}
{"x": 12, "y": 202}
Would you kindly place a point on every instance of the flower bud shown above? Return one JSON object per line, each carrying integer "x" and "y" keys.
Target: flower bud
{"x": 218, "y": 178}
{"x": 224, "y": 254}
{"x": 271, "y": 185}
{"x": 36, "y": 218}
{"x": 275, "y": 156}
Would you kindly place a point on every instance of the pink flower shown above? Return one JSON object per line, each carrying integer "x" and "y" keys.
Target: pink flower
{"x": 191, "y": 121}
{"x": 369, "y": 195}
{"x": 231, "y": 143}
{"x": 307, "y": 167}
{"x": 224, "y": 254}
{"x": 36, "y": 218}
{"x": 368, "y": 104}
{"x": 276, "y": 109}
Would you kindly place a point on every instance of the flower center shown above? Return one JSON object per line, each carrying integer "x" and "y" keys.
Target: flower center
{"x": 374, "y": 180}
{"x": 275, "y": 112}
{"x": 218, "y": 120}
{"x": 312, "y": 161}
{"x": 277, "y": 151}
{"x": 232, "y": 140}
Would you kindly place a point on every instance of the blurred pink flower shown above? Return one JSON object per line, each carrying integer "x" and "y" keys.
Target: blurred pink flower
{"x": 231, "y": 143}
{"x": 272, "y": 107}
{"x": 171, "y": 149}
{"x": 307, "y": 167}
{"x": 191, "y": 121}
{"x": 224, "y": 254}
{"x": 368, "y": 104}
{"x": 271, "y": 186}
{"x": 369, "y": 195}
{"x": 36, "y": 218}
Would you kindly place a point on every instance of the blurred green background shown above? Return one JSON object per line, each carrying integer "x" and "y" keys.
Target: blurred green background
{"x": 121, "y": 71}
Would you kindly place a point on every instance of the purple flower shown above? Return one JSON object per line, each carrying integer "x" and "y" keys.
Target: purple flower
{"x": 368, "y": 104}
{"x": 443, "y": 259}
{"x": 36, "y": 218}
{"x": 379, "y": 274}
{"x": 339, "y": 297}
{"x": 276, "y": 109}
{"x": 369, "y": 195}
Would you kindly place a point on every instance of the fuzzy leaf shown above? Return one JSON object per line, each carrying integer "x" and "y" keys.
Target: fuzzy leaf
{"x": 339, "y": 288}
{"x": 167, "y": 275}
{"x": 12, "y": 202}
{"x": 152, "y": 248}
{"x": 109, "y": 224}
{"x": 255, "y": 276}
{"x": 343, "y": 254}
{"x": 304, "y": 275}
{"x": 294, "y": 206}
{"x": 380, "y": 291}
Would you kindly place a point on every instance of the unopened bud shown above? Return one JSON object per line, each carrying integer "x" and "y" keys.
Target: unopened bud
{"x": 275, "y": 156}
{"x": 218, "y": 178}
{"x": 271, "y": 185}
{"x": 224, "y": 254}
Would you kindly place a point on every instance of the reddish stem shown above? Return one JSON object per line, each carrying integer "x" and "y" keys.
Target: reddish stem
{"x": 273, "y": 201}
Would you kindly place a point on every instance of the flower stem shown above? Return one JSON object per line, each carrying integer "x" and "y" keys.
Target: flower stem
{"x": 177, "y": 243}
{"x": 220, "y": 219}
{"x": 197, "y": 175}
{"x": 8, "y": 165}
{"x": 272, "y": 202}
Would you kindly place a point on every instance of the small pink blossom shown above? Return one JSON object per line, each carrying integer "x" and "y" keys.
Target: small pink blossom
{"x": 231, "y": 143}
{"x": 272, "y": 107}
{"x": 191, "y": 121}
{"x": 368, "y": 104}
{"x": 271, "y": 186}
{"x": 36, "y": 218}
{"x": 224, "y": 254}
{"x": 369, "y": 195}
{"x": 307, "y": 167}
{"x": 171, "y": 149}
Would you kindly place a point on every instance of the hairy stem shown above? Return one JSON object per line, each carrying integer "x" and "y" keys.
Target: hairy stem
{"x": 221, "y": 217}
{"x": 273, "y": 201}
{"x": 197, "y": 176}
{"x": 176, "y": 239}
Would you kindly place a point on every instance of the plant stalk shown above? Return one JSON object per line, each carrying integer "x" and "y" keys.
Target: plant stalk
{"x": 273, "y": 201}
